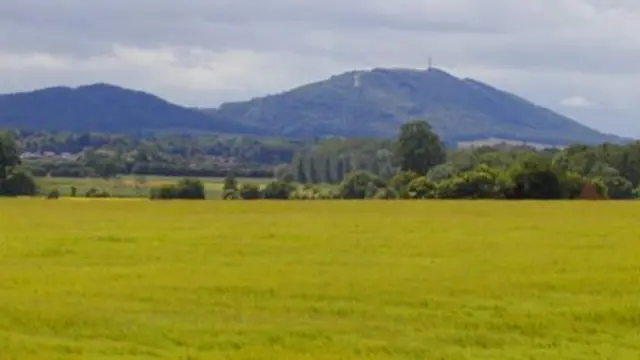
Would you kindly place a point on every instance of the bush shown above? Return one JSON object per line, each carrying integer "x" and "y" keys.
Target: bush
{"x": 230, "y": 195}
{"x": 53, "y": 194}
{"x": 535, "y": 180}
{"x": 475, "y": 184}
{"x": 278, "y": 190}
{"x": 97, "y": 193}
{"x": 250, "y": 192}
{"x": 400, "y": 183}
{"x": 360, "y": 185}
{"x": 190, "y": 189}
{"x": 421, "y": 188}
{"x": 165, "y": 192}
{"x": 386, "y": 194}
{"x": 185, "y": 189}
{"x": 309, "y": 192}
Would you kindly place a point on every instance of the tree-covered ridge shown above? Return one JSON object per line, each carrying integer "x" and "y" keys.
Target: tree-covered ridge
{"x": 375, "y": 103}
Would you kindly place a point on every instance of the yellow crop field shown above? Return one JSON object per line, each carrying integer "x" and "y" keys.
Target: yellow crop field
{"x": 319, "y": 280}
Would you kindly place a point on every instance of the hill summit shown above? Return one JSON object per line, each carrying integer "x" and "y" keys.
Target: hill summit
{"x": 375, "y": 103}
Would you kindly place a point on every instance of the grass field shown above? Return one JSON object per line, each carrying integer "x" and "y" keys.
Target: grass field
{"x": 319, "y": 280}
{"x": 127, "y": 186}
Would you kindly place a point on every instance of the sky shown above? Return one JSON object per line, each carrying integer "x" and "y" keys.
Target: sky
{"x": 577, "y": 57}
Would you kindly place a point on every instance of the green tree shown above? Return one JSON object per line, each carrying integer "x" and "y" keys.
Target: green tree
{"x": 418, "y": 148}
{"x": 571, "y": 184}
{"x": 12, "y": 181}
{"x": 19, "y": 184}
{"x": 9, "y": 157}
{"x": 535, "y": 179}
{"x": 230, "y": 182}
{"x": 618, "y": 187}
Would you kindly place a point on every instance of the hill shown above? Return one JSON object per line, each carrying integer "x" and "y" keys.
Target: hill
{"x": 103, "y": 108}
{"x": 375, "y": 103}
{"x": 355, "y": 104}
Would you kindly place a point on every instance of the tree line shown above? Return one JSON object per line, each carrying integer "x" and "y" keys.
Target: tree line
{"x": 414, "y": 165}
{"x": 420, "y": 167}
{"x": 108, "y": 155}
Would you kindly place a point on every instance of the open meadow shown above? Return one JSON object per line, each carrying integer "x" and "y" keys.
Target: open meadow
{"x": 130, "y": 186}
{"x": 113, "y": 279}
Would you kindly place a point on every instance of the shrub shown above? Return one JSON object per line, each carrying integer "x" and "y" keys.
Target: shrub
{"x": 400, "y": 183}
{"x": 165, "y": 192}
{"x": 190, "y": 189}
{"x": 360, "y": 185}
{"x": 97, "y": 193}
{"x": 471, "y": 185}
{"x": 53, "y": 194}
{"x": 386, "y": 194}
{"x": 186, "y": 189}
{"x": 421, "y": 188}
{"x": 278, "y": 190}
{"x": 250, "y": 192}
{"x": 230, "y": 195}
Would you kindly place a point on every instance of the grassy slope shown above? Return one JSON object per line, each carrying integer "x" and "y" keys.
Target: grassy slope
{"x": 322, "y": 280}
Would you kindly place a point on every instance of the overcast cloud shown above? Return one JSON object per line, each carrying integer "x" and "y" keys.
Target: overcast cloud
{"x": 579, "y": 57}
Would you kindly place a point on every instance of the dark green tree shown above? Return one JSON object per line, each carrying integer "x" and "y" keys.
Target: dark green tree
{"x": 191, "y": 189}
{"x": 230, "y": 182}
{"x": 12, "y": 181}
{"x": 618, "y": 187}
{"x": 418, "y": 148}
{"x": 19, "y": 183}
{"x": 535, "y": 179}
{"x": 9, "y": 157}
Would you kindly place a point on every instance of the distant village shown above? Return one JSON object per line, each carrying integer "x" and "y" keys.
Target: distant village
{"x": 49, "y": 155}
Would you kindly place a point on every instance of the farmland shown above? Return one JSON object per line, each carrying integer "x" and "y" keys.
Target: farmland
{"x": 130, "y": 186}
{"x": 112, "y": 279}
